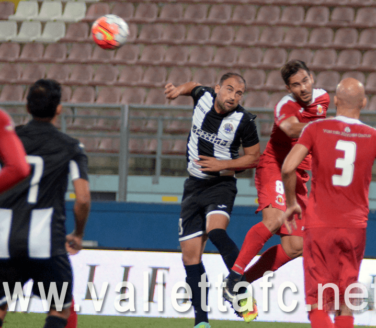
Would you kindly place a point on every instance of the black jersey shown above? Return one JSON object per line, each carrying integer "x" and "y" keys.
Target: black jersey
{"x": 32, "y": 214}
{"x": 217, "y": 135}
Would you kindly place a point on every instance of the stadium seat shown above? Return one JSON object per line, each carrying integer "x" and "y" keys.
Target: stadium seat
{"x": 124, "y": 10}
{"x": 301, "y": 54}
{"x": 53, "y": 32}
{"x": 271, "y": 37}
{"x": 243, "y": 15}
{"x": 11, "y": 93}
{"x": 81, "y": 75}
{"x": 321, "y": 37}
{"x": 32, "y": 73}
{"x": 324, "y": 59}
{"x": 254, "y": 78}
{"x": 367, "y": 40}
{"x": 292, "y": 16}
{"x": 6, "y": 9}
{"x": 371, "y": 105}
{"x": 198, "y": 34}
{"x": 179, "y": 75}
{"x": 365, "y": 17}
{"x": 91, "y": 144}
{"x": 79, "y": 53}
{"x": 109, "y": 96}
{"x": 348, "y": 60}
{"x": 101, "y": 56}
{"x": 331, "y": 103}
{"x": 105, "y": 75}
{"x": 8, "y": 31}
{"x": 66, "y": 94}
{"x": 327, "y": 80}
{"x": 60, "y": 73}
{"x": 275, "y": 98}
{"x": 205, "y": 76}
{"x": 26, "y": 10}
{"x": 369, "y": 60}
{"x": 371, "y": 83}
{"x": 10, "y": 73}
{"x": 154, "y": 77}
{"x": 201, "y": 56}
{"x": 295, "y": 37}
{"x": 180, "y": 126}
{"x": 156, "y": 97}
{"x": 136, "y": 146}
{"x": 29, "y": 32}
{"x": 224, "y": 57}
{"x": 342, "y": 16}
{"x": 246, "y": 36}
{"x": 173, "y": 34}
{"x": 356, "y": 75}
{"x": 83, "y": 94}
{"x": 273, "y": 58}
{"x": 31, "y": 52}
{"x": 195, "y": 14}
{"x": 179, "y": 147}
{"x": 133, "y": 32}
{"x": 317, "y": 16}
{"x": 95, "y": 11}
{"x": 150, "y": 33}
{"x": 145, "y": 13}
{"x": 9, "y": 52}
{"x": 76, "y": 32}
{"x": 109, "y": 145}
{"x": 345, "y": 38}
{"x": 267, "y": 15}
{"x": 73, "y": 12}
{"x": 55, "y": 53}
{"x": 360, "y": 3}
{"x": 222, "y": 35}
{"x": 219, "y": 14}
{"x": 50, "y": 10}
{"x": 249, "y": 57}
{"x": 130, "y": 76}
{"x": 171, "y": 13}
{"x": 183, "y": 101}
{"x": 274, "y": 82}
{"x": 176, "y": 55}
{"x": 152, "y": 55}
{"x": 85, "y": 122}
{"x": 127, "y": 54}
{"x": 256, "y": 99}
{"x": 133, "y": 96}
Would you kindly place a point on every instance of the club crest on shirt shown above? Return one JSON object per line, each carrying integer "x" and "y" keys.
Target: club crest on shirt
{"x": 347, "y": 129}
{"x": 280, "y": 200}
{"x": 228, "y": 127}
{"x": 320, "y": 110}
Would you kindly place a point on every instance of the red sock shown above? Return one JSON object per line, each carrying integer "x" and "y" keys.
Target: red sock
{"x": 255, "y": 239}
{"x": 344, "y": 321}
{"x": 320, "y": 319}
{"x": 272, "y": 259}
{"x": 72, "y": 320}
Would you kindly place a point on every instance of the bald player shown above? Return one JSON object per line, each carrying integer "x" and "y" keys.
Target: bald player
{"x": 343, "y": 151}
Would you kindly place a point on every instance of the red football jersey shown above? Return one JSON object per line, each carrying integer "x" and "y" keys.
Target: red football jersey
{"x": 343, "y": 151}
{"x": 280, "y": 144}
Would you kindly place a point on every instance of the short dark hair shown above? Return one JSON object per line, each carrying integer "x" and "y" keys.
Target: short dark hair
{"x": 229, "y": 75}
{"x": 291, "y": 68}
{"x": 43, "y": 98}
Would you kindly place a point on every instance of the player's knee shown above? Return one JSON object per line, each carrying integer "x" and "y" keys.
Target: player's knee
{"x": 273, "y": 224}
{"x": 191, "y": 259}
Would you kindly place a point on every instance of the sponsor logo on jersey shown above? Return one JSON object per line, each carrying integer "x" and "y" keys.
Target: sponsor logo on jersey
{"x": 320, "y": 110}
{"x": 211, "y": 137}
{"x": 228, "y": 127}
{"x": 280, "y": 200}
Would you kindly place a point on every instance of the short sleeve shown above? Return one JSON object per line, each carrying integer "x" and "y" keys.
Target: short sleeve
{"x": 307, "y": 136}
{"x": 249, "y": 134}
{"x": 78, "y": 165}
{"x": 199, "y": 91}
{"x": 284, "y": 109}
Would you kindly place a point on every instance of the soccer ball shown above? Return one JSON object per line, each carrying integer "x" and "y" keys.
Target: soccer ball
{"x": 110, "y": 32}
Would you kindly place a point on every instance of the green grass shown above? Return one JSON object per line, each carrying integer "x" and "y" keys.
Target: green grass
{"x": 36, "y": 320}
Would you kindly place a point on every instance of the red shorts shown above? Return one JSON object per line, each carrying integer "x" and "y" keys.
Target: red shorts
{"x": 270, "y": 191}
{"x": 331, "y": 255}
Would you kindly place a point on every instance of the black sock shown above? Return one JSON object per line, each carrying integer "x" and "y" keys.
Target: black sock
{"x": 55, "y": 322}
{"x": 226, "y": 247}
{"x": 1, "y": 323}
{"x": 194, "y": 273}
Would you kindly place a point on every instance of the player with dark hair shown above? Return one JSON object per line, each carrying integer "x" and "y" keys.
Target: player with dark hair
{"x": 219, "y": 127}
{"x": 33, "y": 238}
{"x": 343, "y": 151}
{"x": 291, "y": 114}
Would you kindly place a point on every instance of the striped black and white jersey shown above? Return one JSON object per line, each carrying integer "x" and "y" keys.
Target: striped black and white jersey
{"x": 32, "y": 214}
{"x": 217, "y": 135}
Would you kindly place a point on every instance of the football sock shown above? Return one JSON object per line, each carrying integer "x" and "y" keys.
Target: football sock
{"x": 320, "y": 319}
{"x": 55, "y": 322}
{"x": 194, "y": 273}
{"x": 255, "y": 239}
{"x": 344, "y": 321}
{"x": 1, "y": 323}
{"x": 72, "y": 320}
{"x": 272, "y": 259}
{"x": 225, "y": 245}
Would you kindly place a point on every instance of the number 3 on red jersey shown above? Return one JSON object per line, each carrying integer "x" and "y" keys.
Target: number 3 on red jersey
{"x": 346, "y": 163}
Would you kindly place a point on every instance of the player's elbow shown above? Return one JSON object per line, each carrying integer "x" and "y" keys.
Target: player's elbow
{"x": 286, "y": 171}
{"x": 83, "y": 201}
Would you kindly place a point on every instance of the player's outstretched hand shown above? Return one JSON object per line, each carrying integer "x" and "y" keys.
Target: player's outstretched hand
{"x": 171, "y": 91}
{"x": 289, "y": 217}
{"x": 73, "y": 244}
{"x": 210, "y": 164}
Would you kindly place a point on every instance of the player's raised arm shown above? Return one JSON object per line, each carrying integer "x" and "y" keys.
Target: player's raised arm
{"x": 185, "y": 89}
{"x": 292, "y": 127}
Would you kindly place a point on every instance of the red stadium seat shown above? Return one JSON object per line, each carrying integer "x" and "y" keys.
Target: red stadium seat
{"x": 317, "y": 16}
{"x": 180, "y": 126}
{"x": 365, "y": 17}
{"x": 367, "y": 40}
{"x": 76, "y": 32}
{"x": 105, "y": 75}
{"x": 60, "y": 73}
{"x": 81, "y": 75}
{"x": 32, "y": 73}
{"x": 66, "y": 93}
{"x": 83, "y": 95}
{"x": 96, "y": 10}
{"x": 256, "y": 99}
{"x": 324, "y": 59}
{"x": 123, "y": 10}
{"x": 274, "y": 58}
{"x": 219, "y": 14}
{"x": 268, "y": 15}
{"x": 9, "y": 52}
{"x": 109, "y": 96}
{"x": 79, "y": 53}
{"x": 31, "y": 52}
{"x": 292, "y": 16}
{"x": 136, "y": 146}
{"x": 295, "y": 37}
{"x": 222, "y": 35}
{"x": 176, "y": 55}
{"x": 255, "y": 79}
{"x": 274, "y": 82}
{"x": 11, "y": 93}
{"x": 101, "y": 56}
{"x": 368, "y": 63}
{"x": 371, "y": 83}
{"x": 266, "y": 126}
{"x": 109, "y": 145}
{"x": 275, "y": 99}
{"x": 246, "y": 36}
{"x": 173, "y": 34}
{"x": 179, "y": 75}
{"x": 127, "y": 54}
{"x": 154, "y": 77}
{"x": 345, "y": 38}
{"x": 249, "y": 57}
{"x": 156, "y": 97}
{"x": 6, "y": 9}
{"x": 321, "y": 37}
{"x": 327, "y": 80}
{"x": 150, "y": 33}
{"x": 179, "y": 147}
{"x": 171, "y": 13}
{"x": 225, "y": 57}
{"x": 271, "y": 37}
{"x": 371, "y": 106}
{"x": 205, "y": 76}
{"x": 201, "y": 56}
{"x": 10, "y": 73}
{"x": 348, "y": 60}
{"x": 55, "y": 53}
{"x": 133, "y": 96}
{"x": 152, "y": 55}
{"x": 130, "y": 76}
{"x": 355, "y": 75}
{"x": 301, "y": 54}
{"x": 198, "y": 34}
{"x": 183, "y": 101}
{"x": 145, "y": 13}
{"x": 91, "y": 144}
{"x": 331, "y": 103}
{"x": 133, "y": 33}
{"x": 342, "y": 16}
{"x": 195, "y": 14}
{"x": 243, "y": 15}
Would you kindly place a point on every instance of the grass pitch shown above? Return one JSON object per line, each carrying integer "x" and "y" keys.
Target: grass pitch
{"x": 36, "y": 320}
